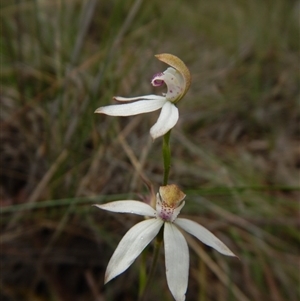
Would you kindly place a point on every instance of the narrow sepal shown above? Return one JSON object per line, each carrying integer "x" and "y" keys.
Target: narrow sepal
{"x": 144, "y": 97}
{"x": 133, "y": 108}
{"x": 177, "y": 261}
{"x": 128, "y": 206}
{"x": 131, "y": 246}
{"x": 203, "y": 235}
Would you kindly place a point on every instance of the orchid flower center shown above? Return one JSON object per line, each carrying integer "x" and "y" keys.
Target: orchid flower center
{"x": 174, "y": 82}
{"x": 169, "y": 202}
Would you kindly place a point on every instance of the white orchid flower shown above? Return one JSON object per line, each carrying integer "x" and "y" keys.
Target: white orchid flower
{"x": 177, "y": 79}
{"x": 169, "y": 202}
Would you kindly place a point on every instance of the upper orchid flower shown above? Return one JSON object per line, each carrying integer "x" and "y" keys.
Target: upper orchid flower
{"x": 169, "y": 202}
{"x": 178, "y": 80}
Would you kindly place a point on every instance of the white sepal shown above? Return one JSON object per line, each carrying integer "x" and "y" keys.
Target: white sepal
{"x": 131, "y": 246}
{"x": 129, "y": 206}
{"x": 177, "y": 261}
{"x": 203, "y": 235}
{"x": 136, "y": 98}
{"x": 133, "y": 108}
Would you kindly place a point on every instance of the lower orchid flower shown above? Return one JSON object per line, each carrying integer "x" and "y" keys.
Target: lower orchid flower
{"x": 169, "y": 202}
{"x": 177, "y": 79}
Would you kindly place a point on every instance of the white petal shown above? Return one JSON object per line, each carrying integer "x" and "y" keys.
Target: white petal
{"x": 203, "y": 235}
{"x": 167, "y": 119}
{"x": 131, "y": 245}
{"x": 177, "y": 211}
{"x": 146, "y": 97}
{"x": 129, "y": 206}
{"x": 177, "y": 261}
{"x": 133, "y": 108}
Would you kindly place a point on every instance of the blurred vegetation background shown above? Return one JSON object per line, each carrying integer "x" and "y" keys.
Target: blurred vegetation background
{"x": 235, "y": 150}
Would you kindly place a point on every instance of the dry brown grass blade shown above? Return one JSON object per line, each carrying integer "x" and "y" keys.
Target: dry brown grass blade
{"x": 41, "y": 186}
{"x": 138, "y": 166}
{"x": 92, "y": 172}
{"x": 241, "y": 222}
{"x": 93, "y": 286}
{"x": 130, "y": 17}
{"x": 215, "y": 269}
{"x": 142, "y": 161}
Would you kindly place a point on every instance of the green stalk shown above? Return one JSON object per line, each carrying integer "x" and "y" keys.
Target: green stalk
{"x": 167, "y": 164}
{"x": 157, "y": 246}
{"x": 143, "y": 274}
{"x": 166, "y": 157}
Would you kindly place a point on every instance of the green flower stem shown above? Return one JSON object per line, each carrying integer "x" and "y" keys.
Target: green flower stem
{"x": 157, "y": 246}
{"x": 143, "y": 273}
{"x": 166, "y": 157}
{"x": 167, "y": 164}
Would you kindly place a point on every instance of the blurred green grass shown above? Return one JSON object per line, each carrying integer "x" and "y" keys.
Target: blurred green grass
{"x": 235, "y": 149}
